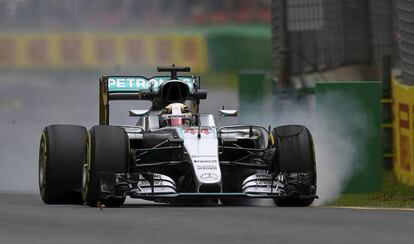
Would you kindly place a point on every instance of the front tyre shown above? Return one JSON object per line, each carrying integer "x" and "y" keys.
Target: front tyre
{"x": 61, "y": 156}
{"x": 295, "y": 158}
{"x": 108, "y": 151}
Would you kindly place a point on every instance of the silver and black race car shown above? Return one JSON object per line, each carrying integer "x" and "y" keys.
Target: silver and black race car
{"x": 173, "y": 154}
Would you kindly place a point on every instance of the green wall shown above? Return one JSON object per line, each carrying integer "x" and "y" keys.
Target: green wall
{"x": 365, "y": 100}
{"x": 235, "y": 48}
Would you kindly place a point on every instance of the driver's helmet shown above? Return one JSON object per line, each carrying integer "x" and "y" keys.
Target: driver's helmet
{"x": 175, "y": 114}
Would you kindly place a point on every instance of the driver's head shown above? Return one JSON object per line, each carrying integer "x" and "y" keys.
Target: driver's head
{"x": 175, "y": 114}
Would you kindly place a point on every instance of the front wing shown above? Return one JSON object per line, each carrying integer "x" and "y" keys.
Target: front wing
{"x": 152, "y": 186}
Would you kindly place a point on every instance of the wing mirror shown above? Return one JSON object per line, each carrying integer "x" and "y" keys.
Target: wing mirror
{"x": 228, "y": 113}
{"x": 138, "y": 113}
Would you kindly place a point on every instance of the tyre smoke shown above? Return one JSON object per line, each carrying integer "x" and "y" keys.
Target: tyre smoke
{"x": 338, "y": 154}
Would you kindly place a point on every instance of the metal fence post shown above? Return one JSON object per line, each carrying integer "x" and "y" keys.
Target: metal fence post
{"x": 280, "y": 44}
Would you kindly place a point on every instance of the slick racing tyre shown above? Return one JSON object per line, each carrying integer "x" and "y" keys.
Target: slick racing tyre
{"x": 61, "y": 157}
{"x": 107, "y": 151}
{"x": 295, "y": 158}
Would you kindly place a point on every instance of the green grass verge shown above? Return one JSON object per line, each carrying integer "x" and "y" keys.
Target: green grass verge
{"x": 394, "y": 194}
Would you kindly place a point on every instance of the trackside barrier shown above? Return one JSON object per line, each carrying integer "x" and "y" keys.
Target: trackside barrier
{"x": 403, "y": 125}
{"x": 102, "y": 50}
{"x": 222, "y": 49}
{"x": 353, "y": 111}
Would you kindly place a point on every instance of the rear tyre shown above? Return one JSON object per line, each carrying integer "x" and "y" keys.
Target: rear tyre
{"x": 61, "y": 157}
{"x": 108, "y": 151}
{"x": 295, "y": 157}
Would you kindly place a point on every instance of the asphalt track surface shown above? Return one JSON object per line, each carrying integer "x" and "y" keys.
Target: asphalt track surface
{"x": 28, "y": 102}
{"x": 25, "y": 219}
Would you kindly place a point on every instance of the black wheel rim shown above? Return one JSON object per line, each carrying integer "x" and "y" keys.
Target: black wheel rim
{"x": 42, "y": 166}
{"x": 85, "y": 174}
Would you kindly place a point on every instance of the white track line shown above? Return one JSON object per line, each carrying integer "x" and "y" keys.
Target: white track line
{"x": 372, "y": 208}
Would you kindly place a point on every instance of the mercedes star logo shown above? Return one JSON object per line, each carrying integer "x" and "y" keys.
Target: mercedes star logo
{"x": 209, "y": 176}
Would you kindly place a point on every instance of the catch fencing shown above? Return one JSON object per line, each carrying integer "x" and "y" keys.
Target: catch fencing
{"x": 317, "y": 35}
{"x": 405, "y": 10}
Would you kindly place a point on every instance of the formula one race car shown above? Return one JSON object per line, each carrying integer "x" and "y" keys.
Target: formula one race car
{"x": 173, "y": 154}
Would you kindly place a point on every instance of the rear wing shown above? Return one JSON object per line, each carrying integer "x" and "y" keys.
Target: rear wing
{"x": 159, "y": 89}
{"x": 142, "y": 88}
